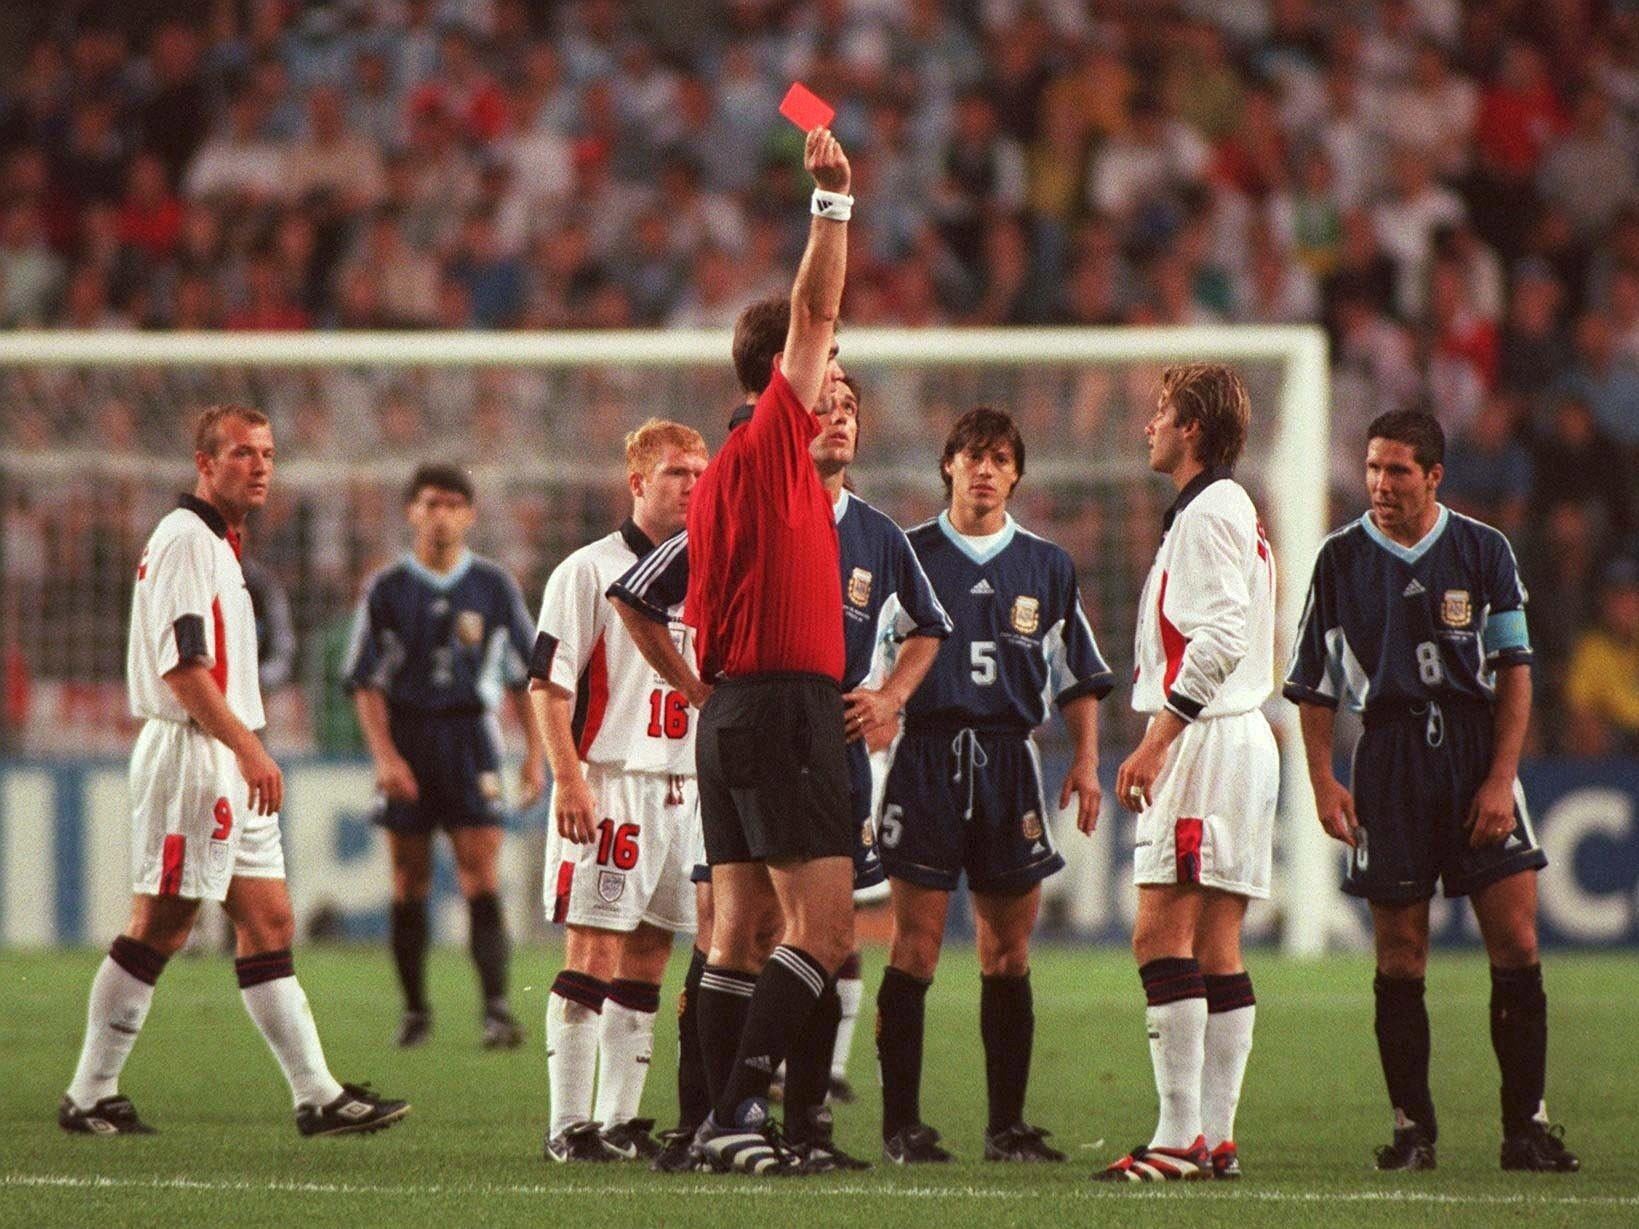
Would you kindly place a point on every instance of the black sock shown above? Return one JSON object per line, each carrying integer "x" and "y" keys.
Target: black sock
{"x": 900, "y": 1012}
{"x": 408, "y": 928}
{"x": 1007, "y": 1023}
{"x": 1403, "y": 1045}
{"x": 693, "y": 1098}
{"x": 487, "y": 941}
{"x": 787, "y": 990}
{"x": 808, "y": 1065}
{"x": 1519, "y": 1035}
{"x": 724, "y": 1003}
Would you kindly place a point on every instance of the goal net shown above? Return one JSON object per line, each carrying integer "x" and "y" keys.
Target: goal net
{"x": 95, "y": 450}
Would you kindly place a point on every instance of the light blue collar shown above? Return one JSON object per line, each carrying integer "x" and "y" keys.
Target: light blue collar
{"x": 965, "y": 544}
{"x": 1407, "y": 554}
{"x": 442, "y": 581}
{"x": 840, "y": 508}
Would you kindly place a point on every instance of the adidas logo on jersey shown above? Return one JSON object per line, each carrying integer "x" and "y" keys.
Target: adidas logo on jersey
{"x": 1413, "y": 589}
{"x": 983, "y": 588}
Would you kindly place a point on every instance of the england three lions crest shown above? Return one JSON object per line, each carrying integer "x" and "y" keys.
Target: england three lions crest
{"x": 1026, "y": 615}
{"x": 469, "y": 628}
{"x": 859, "y": 587}
{"x": 1455, "y": 608}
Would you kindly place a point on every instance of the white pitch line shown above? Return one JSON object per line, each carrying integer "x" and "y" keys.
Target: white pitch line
{"x": 785, "y": 1190}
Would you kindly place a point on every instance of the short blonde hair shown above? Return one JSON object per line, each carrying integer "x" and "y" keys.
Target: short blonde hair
{"x": 207, "y": 429}
{"x": 646, "y": 445}
{"x": 1214, "y": 396}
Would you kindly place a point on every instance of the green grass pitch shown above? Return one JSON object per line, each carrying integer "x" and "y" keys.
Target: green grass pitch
{"x": 470, "y": 1152}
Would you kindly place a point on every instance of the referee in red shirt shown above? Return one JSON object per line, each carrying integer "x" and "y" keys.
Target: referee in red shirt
{"x": 765, "y": 598}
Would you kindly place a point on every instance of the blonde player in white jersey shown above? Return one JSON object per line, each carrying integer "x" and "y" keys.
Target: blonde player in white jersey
{"x": 1205, "y": 776}
{"x": 205, "y": 799}
{"x": 626, "y": 836}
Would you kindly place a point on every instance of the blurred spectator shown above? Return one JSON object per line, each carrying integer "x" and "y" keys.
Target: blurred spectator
{"x": 332, "y": 159}
{"x": 237, "y": 161}
{"x": 1609, "y": 386}
{"x": 1588, "y": 172}
{"x": 1577, "y": 463}
{"x": 493, "y": 280}
{"x": 1406, "y": 219}
{"x": 31, "y": 273}
{"x": 1602, "y": 682}
{"x": 1137, "y": 167}
{"x": 1488, "y": 471}
{"x": 150, "y": 217}
{"x": 1534, "y": 349}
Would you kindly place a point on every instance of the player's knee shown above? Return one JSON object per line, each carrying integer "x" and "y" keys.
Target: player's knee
{"x": 1007, "y": 960}
{"x": 1157, "y": 938}
{"x": 1516, "y": 947}
{"x": 1403, "y": 956}
{"x": 915, "y": 951}
{"x": 411, "y": 883}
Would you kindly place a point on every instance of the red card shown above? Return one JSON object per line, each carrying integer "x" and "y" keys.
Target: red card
{"x": 806, "y": 109}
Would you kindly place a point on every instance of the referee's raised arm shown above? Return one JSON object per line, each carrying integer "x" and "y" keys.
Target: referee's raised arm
{"x": 816, "y": 296}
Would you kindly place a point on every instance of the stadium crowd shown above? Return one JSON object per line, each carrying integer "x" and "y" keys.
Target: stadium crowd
{"x": 1449, "y": 187}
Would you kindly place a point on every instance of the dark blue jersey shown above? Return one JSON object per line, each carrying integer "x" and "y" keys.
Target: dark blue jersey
{"x": 1022, "y": 639}
{"x": 884, "y": 590}
{"x": 883, "y": 585}
{"x": 1394, "y": 625}
{"x": 441, "y": 643}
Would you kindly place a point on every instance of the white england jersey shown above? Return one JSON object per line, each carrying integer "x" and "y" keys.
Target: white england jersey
{"x": 1205, "y": 644}
{"x": 190, "y": 603}
{"x": 626, "y": 716}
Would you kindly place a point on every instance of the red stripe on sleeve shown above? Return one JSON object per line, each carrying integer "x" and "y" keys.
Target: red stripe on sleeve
{"x": 219, "y": 667}
{"x": 1172, "y": 640}
{"x": 597, "y": 697}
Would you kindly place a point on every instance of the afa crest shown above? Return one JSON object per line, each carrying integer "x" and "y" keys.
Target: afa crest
{"x": 469, "y": 628}
{"x": 1026, "y": 615}
{"x": 489, "y": 786}
{"x": 859, "y": 587}
{"x": 867, "y": 836}
{"x": 1455, "y": 608}
{"x": 1031, "y": 826}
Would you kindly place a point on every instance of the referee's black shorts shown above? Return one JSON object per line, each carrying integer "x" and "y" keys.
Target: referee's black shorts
{"x": 774, "y": 770}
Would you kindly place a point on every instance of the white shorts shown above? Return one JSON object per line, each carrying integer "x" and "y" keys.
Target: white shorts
{"x": 1211, "y": 818}
{"x": 192, "y": 830}
{"x": 636, "y": 869}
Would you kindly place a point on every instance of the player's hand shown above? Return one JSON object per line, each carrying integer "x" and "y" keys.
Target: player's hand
{"x": 575, "y": 809}
{"x": 1336, "y": 807}
{"x": 699, "y": 694}
{"x": 822, "y": 157}
{"x": 395, "y": 780}
{"x": 267, "y": 783}
{"x": 531, "y": 779}
{"x": 880, "y": 738}
{"x": 1136, "y": 777}
{"x": 866, "y": 711}
{"x": 1082, "y": 781}
{"x": 1491, "y": 814}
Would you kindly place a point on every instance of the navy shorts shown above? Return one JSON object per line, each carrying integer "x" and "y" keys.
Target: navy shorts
{"x": 867, "y": 865}
{"x": 1416, "y": 771}
{"x": 969, "y": 802}
{"x": 457, "y": 765}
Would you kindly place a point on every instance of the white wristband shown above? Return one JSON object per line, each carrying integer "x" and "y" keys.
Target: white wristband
{"x": 833, "y": 206}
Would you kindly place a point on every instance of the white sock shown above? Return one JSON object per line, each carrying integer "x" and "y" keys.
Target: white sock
{"x": 1177, "y": 1050}
{"x": 625, "y": 1043}
{"x": 281, "y": 1012}
{"x": 118, "y": 1005}
{"x": 850, "y": 990}
{"x": 572, "y": 1047}
{"x": 1228, "y": 1045}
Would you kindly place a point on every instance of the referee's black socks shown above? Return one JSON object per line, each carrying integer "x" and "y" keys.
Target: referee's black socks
{"x": 808, "y": 1065}
{"x": 487, "y": 941}
{"x": 721, "y": 1008}
{"x": 1519, "y": 1035}
{"x": 1403, "y": 1045}
{"x": 787, "y": 991}
{"x": 900, "y": 1015}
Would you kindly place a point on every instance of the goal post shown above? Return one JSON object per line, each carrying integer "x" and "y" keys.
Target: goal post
{"x": 1287, "y": 463}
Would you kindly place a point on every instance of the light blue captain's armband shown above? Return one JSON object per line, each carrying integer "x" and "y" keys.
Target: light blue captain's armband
{"x": 1506, "y": 630}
